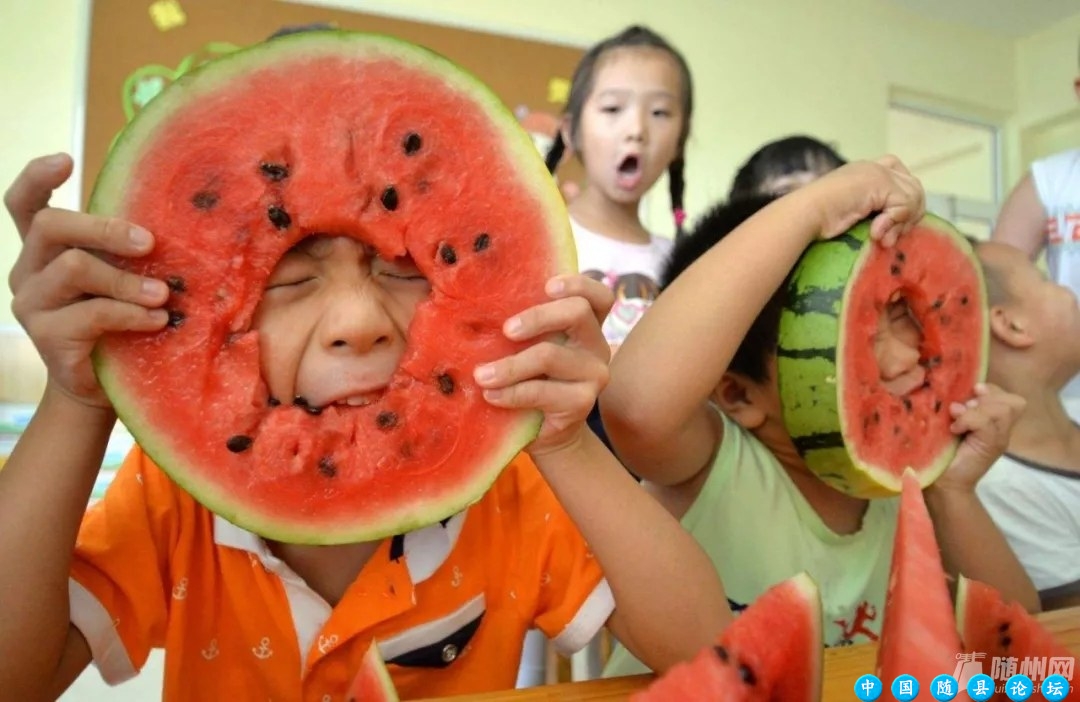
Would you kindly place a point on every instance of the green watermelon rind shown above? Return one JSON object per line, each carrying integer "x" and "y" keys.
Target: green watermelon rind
{"x": 107, "y": 198}
{"x": 373, "y": 663}
{"x": 819, "y": 289}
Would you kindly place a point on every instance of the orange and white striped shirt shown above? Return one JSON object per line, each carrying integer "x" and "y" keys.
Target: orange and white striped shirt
{"x": 449, "y": 604}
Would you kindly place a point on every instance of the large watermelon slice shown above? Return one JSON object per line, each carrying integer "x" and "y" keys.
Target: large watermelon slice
{"x": 1005, "y": 631}
{"x": 917, "y": 636}
{"x": 334, "y": 133}
{"x": 771, "y": 652}
{"x": 372, "y": 682}
{"x": 850, "y": 429}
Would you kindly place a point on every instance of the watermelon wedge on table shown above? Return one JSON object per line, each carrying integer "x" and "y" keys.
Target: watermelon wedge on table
{"x": 772, "y": 651}
{"x": 341, "y": 134}
{"x": 372, "y": 682}
{"x": 918, "y": 635}
{"x": 854, "y": 430}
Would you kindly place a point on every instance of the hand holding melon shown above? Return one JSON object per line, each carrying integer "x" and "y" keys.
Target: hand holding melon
{"x": 65, "y": 296}
{"x": 855, "y": 191}
{"x": 985, "y": 421}
{"x": 562, "y": 380}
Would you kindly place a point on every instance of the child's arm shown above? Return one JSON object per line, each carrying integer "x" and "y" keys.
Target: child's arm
{"x": 65, "y": 298}
{"x": 655, "y": 409}
{"x": 1022, "y": 220}
{"x": 669, "y": 601}
{"x": 971, "y": 544}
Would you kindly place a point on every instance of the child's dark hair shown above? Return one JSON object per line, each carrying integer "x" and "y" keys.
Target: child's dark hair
{"x": 752, "y": 357}
{"x": 793, "y": 154}
{"x": 581, "y": 86}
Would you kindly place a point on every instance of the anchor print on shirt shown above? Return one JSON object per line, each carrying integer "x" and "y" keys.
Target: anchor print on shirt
{"x": 327, "y": 642}
{"x": 211, "y": 652}
{"x": 263, "y": 650}
{"x": 180, "y": 591}
{"x": 457, "y": 577}
{"x": 864, "y": 614}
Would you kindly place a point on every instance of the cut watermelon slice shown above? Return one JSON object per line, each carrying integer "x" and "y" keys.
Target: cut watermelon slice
{"x": 1005, "y": 631}
{"x": 850, "y": 429}
{"x": 372, "y": 683}
{"x": 918, "y": 637}
{"x": 344, "y": 134}
{"x": 771, "y": 652}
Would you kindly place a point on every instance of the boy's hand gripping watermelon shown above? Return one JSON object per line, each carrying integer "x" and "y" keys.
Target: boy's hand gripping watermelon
{"x": 849, "y": 428}
{"x": 333, "y": 133}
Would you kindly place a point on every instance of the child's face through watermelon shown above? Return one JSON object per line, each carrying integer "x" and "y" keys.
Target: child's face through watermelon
{"x": 333, "y": 320}
{"x": 758, "y": 408}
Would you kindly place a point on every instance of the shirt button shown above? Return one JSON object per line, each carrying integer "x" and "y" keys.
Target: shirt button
{"x": 449, "y": 653}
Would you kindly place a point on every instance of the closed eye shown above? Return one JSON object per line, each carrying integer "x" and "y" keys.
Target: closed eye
{"x": 287, "y": 283}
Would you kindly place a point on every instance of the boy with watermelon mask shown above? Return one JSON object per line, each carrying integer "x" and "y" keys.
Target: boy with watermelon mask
{"x": 703, "y": 425}
{"x": 241, "y": 618}
{"x": 1033, "y": 491}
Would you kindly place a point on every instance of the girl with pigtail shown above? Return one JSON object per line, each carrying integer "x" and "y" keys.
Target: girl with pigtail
{"x": 627, "y": 119}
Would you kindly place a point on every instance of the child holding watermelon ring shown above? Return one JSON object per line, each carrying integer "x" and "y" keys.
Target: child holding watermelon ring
{"x": 241, "y": 618}
{"x": 703, "y": 426}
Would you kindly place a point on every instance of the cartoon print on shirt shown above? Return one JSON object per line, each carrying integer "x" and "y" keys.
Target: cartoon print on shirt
{"x": 634, "y": 292}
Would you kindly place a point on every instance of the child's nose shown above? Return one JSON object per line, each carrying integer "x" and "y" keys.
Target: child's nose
{"x": 357, "y": 322}
{"x": 636, "y": 129}
{"x": 895, "y": 358}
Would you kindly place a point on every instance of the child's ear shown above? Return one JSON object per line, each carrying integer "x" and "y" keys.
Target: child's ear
{"x": 742, "y": 399}
{"x": 1009, "y": 327}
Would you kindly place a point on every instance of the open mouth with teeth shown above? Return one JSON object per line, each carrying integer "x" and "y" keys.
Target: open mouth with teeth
{"x": 629, "y": 172}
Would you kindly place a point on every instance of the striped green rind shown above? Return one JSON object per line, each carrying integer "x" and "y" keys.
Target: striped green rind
{"x": 810, "y": 384}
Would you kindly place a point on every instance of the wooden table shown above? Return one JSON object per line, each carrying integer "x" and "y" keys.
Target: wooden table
{"x": 843, "y": 666}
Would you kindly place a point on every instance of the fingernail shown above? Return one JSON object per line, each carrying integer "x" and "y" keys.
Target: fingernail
{"x": 493, "y": 394}
{"x": 484, "y": 373}
{"x": 159, "y": 316}
{"x": 140, "y": 237}
{"x": 514, "y": 326}
{"x": 957, "y": 407}
{"x": 556, "y": 286}
{"x": 152, "y": 288}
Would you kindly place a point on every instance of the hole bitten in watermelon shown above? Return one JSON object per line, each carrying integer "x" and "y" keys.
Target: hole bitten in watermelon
{"x": 772, "y": 651}
{"x": 335, "y": 134}
{"x": 918, "y": 636}
{"x": 1003, "y": 630}
{"x": 858, "y": 424}
{"x": 372, "y": 682}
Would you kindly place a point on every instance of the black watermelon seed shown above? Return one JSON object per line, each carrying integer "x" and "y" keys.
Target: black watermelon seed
{"x": 876, "y": 417}
{"x": 176, "y": 319}
{"x": 238, "y": 443}
{"x": 386, "y": 420}
{"x": 1004, "y": 627}
{"x": 945, "y": 320}
{"x": 273, "y": 401}
{"x": 204, "y": 200}
{"x": 1005, "y": 641}
{"x": 933, "y": 361}
{"x": 900, "y": 256}
{"x": 300, "y": 401}
{"x": 412, "y": 143}
{"x": 907, "y": 404}
{"x": 896, "y": 430}
{"x": 482, "y": 242}
{"x": 894, "y": 269}
{"x": 446, "y": 384}
{"x": 447, "y": 254}
{"x": 938, "y": 303}
{"x": 327, "y": 467}
{"x": 274, "y": 171}
{"x": 314, "y": 410}
{"x": 390, "y": 198}
{"x": 278, "y": 217}
{"x": 937, "y": 406}
{"x": 721, "y": 653}
{"x": 176, "y": 284}
{"x": 964, "y": 300}
{"x": 746, "y": 674}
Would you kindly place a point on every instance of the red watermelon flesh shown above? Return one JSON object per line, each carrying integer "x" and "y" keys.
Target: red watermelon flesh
{"x": 771, "y": 652}
{"x": 372, "y": 683}
{"x": 918, "y": 636}
{"x": 328, "y": 133}
{"x": 988, "y": 624}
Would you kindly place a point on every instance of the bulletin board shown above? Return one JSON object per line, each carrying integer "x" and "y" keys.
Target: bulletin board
{"x": 137, "y": 47}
